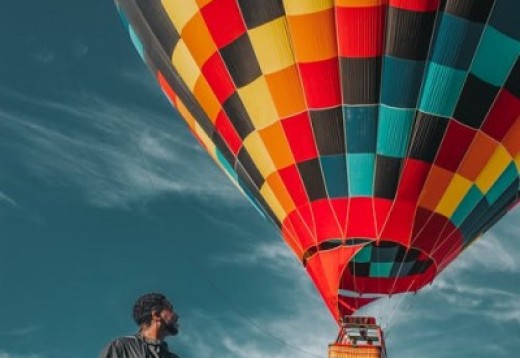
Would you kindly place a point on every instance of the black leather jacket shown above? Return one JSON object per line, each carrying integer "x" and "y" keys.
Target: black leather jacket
{"x": 137, "y": 347}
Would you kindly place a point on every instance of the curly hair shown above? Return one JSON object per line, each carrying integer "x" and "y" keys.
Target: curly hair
{"x": 146, "y": 304}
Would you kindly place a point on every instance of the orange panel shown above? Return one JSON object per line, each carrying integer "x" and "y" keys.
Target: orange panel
{"x": 477, "y": 156}
{"x": 203, "y": 3}
{"x": 512, "y": 139}
{"x": 198, "y": 39}
{"x": 207, "y": 99}
{"x": 277, "y": 145}
{"x": 314, "y": 36}
{"x": 435, "y": 187}
{"x": 280, "y": 191}
{"x": 186, "y": 115}
{"x": 286, "y": 91}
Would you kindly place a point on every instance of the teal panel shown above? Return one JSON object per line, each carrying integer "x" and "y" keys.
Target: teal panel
{"x": 401, "y": 82}
{"x": 502, "y": 184}
{"x": 441, "y": 90}
{"x": 393, "y": 131}
{"x": 229, "y": 169}
{"x": 136, "y": 41}
{"x": 490, "y": 67}
{"x": 360, "y": 128}
{"x": 381, "y": 269}
{"x": 467, "y": 205}
{"x": 335, "y": 172}
{"x": 360, "y": 174}
{"x": 364, "y": 255}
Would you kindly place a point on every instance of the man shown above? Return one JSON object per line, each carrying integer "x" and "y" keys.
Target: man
{"x": 156, "y": 319}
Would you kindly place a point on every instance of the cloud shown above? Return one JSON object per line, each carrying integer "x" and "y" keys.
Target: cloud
{"x": 14, "y": 355}
{"x": 79, "y": 49}
{"x": 23, "y": 331}
{"x": 116, "y": 155}
{"x": 7, "y": 199}
{"x": 44, "y": 56}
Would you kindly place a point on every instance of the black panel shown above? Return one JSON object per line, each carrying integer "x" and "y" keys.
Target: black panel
{"x": 407, "y": 256}
{"x": 238, "y": 115}
{"x": 328, "y": 131}
{"x": 160, "y": 23}
{"x": 468, "y": 227}
{"x": 513, "y": 81}
{"x": 223, "y": 148}
{"x": 427, "y": 135}
{"x": 257, "y": 13}
{"x": 420, "y": 267}
{"x": 360, "y": 80}
{"x": 353, "y": 242}
{"x": 505, "y": 17}
{"x": 247, "y": 163}
{"x": 312, "y": 179}
{"x": 409, "y": 33}
{"x": 473, "y": 10}
{"x": 475, "y": 101}
{"x": 241, "y": 61}
{"x": 362, "y": 270}
{"x": 246, "y": 182}
{"x": 384, "y": 254}
{"x": 388, "y": 170}
{"x": 329, "y": 245}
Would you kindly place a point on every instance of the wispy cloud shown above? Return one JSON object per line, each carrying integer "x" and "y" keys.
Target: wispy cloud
{"x": 44, "y": 56}
{"x": 7, "y": 199}
{"x": 14, "y": 355}
{"x": 23, "y": 331}
{"x": 115, "y": 154}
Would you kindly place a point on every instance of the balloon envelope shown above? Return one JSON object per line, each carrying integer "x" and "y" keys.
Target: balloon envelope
{"x": 381, "y": 137}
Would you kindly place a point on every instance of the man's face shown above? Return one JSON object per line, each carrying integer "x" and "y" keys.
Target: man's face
{"x": 169, "y": 320}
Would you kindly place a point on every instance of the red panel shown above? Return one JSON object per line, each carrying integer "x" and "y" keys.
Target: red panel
{"x": 360, "y": 31}
{"x": 218, "y": 77}
{"x": 381, "y": 210}
{"x": 421, "y": 218}
{"x": 340, "y": 207}
{"x": 228, "y": 132}
{"x": 321, "y": 83}
{"x": 398, "y": 227}
{"x": 412, "y": 180}
{"x": 308, "y": 217}
{"x": 224, "y": 21}
{"x": 361, "y": 222}
{"x": 502, "y": 116}
{"x": 293, "y": 182}
{"x": 326, "y": 225}
{"x": 168, "y": 91}
{"x": 456, "y": 142}
{"x": 300, "y": 137}
{"x": 291, "y": 239}
{"x": 301, "y": 231}
{"x": 416, "y": 5}
{"x": 315, "y": 271}
{"x": 348, "y": 305}
{"x": 427, "y": 238}
{"x": 447, "y": 245}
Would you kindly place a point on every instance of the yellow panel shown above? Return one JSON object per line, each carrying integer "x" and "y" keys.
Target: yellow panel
{"x": 206, "y": 141}
{"x": 256, "y": 149}
{"x": 186, "y": 115}
{"x": 180, "y": 11}
{"x": 496, "y": 166}
{"x": 259, "y": 103}
{"x": 273, "y": 203}
{"x": 198, "y": 39}
{"x": 207, "y": 99}
{"x": 186, "y": 65}
{"x": 453, "y": 195}
{"x": 298, "y": 7}
{"x": 272, "y": 46}
{"x": 360, "y": 3}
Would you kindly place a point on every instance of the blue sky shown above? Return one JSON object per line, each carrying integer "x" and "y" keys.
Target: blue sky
{"x": 105, "y": 195}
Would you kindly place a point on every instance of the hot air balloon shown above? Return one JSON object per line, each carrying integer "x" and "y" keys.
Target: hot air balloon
{"x": 381, "y": 137}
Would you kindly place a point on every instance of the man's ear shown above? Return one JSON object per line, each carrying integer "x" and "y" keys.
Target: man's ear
{"x": 156, "y": 315}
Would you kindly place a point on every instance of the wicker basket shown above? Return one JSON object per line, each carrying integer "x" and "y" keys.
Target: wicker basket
{"x": 349, "y": 351}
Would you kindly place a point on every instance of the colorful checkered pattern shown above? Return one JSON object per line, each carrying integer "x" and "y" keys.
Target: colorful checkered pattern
{"x": 356, "y": 126}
